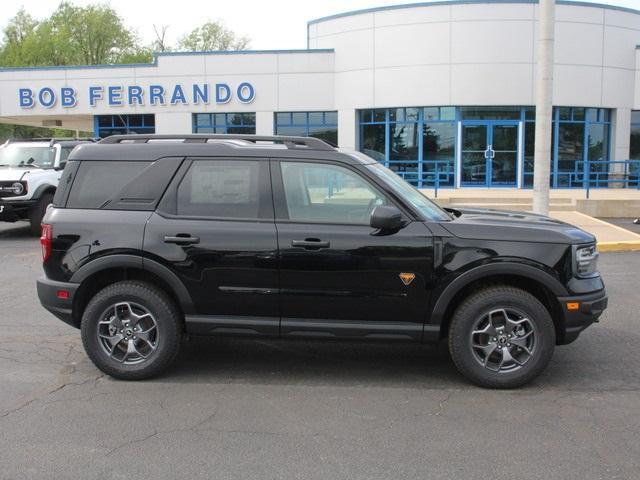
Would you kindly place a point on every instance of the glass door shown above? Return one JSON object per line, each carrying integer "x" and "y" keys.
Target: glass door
{"x": 489, "y": 154}
{"x": 475, "y": 147}
{"x": 504, "y": 155}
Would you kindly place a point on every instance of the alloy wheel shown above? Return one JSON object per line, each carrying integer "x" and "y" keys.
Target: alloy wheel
{"x": 128, "y": 333}
{"x": 503, "y": 340}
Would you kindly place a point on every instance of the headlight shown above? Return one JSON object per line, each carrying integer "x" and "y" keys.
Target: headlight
{"x": 18, "y": 188}
{"x": 8, "y": 189}
{"x": 586, "y": 261}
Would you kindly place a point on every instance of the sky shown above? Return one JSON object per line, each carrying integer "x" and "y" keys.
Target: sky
{"x": 270, "y": 24}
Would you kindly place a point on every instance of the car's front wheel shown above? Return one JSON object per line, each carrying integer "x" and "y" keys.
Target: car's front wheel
{"x": 131, "y": 330}
{"x": 501, "y": 337}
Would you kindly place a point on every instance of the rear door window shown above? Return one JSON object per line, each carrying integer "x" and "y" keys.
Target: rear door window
{"x": 233, "y": 189}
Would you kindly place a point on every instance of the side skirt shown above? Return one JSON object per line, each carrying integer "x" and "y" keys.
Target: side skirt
{"x": 305, "y": 328}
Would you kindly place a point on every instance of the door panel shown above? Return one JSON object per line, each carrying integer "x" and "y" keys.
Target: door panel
{"x": 229, "y": 263}
{"x": 357, "y": 276}
{"x": 232, "y": 270}
{"x": 344, "y": 279}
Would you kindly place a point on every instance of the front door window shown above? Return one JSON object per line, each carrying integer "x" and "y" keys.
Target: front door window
{"x": 328, "y": 194}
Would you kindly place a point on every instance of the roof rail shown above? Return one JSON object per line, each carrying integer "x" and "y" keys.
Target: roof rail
{"x": 52, "y": 140}
{"x": 310, "y": 143}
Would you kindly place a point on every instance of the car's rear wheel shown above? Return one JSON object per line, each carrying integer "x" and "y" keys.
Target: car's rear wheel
{"x": 501, "y": 337}
{"x": 131, "y": 330}
{"x": 37, "y": 213}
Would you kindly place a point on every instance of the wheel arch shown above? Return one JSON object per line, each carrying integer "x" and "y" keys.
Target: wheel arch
{"x": 104, "y": 271}
{"x": 42, "y": 190}
{"x": 533, "y": 280}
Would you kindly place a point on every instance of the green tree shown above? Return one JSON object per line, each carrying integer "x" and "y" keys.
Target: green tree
{"x": 18, "y": 37}
{"x": 212, "y": 36}
{"x": 72, "y": 35}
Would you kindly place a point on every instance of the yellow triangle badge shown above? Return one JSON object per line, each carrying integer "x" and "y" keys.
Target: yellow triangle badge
{"x": 407, "y": 278}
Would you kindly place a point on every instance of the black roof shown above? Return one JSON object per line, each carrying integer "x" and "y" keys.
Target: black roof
{"x": 153, "y": 147}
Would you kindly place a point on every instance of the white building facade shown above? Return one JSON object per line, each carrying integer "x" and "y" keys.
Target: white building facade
{"x": 441, "y": 92}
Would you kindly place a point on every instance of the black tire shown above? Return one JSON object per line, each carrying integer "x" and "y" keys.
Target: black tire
{"x": 169, "y": 324}
{"x": 37, "y": 213}
{"x": 477, "y": 306}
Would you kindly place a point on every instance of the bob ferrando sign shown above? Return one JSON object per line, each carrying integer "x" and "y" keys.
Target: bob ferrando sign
{"x": 137, "y": 95}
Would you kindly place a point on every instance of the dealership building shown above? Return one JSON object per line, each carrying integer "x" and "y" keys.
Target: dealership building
{"x": 442, "y": 92}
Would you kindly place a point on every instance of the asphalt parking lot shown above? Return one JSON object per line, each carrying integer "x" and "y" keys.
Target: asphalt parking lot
{"x": 234, "y": 409}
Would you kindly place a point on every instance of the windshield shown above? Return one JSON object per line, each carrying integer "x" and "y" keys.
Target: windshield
{"x": 25, "y": 155}
{"x": 409, "y": 194}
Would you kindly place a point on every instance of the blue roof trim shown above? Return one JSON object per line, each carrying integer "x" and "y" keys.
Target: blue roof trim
{"x": 464, "y": 2}
{"x": 154, "y": 63}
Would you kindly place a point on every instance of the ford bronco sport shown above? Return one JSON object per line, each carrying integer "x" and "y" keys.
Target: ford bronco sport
{"x": 29, "y": 174}
{"x": 152, "y": 237}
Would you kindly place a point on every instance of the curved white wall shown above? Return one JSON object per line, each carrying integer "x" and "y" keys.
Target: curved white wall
{"x": 479, "y": 54}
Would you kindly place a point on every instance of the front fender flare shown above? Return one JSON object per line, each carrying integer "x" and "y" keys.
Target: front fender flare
{"x": 505, "y": 268}
{"x": 37, "y": 194}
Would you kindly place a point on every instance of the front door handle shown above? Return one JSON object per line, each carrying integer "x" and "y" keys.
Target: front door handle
{"x": 310, "y": 244}
{"x": 182, "y": 239}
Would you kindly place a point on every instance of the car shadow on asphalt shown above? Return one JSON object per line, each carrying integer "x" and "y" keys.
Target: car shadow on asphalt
{"x": 16, "y": 231}
{"x": 326, "y": 362}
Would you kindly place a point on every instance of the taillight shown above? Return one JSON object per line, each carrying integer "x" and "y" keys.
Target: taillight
{"x": 46, "y": 238}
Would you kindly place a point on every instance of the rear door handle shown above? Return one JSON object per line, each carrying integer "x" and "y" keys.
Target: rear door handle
{"x": 310, "y": 243}
{"x": 182, "y": 239}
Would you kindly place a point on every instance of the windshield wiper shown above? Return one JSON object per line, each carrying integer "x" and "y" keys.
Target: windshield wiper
{"x": 27, "y": 165}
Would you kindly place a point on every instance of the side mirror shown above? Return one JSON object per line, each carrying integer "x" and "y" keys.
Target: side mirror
{"x": 386, "y": 218}
{"x": 61, "y": 166}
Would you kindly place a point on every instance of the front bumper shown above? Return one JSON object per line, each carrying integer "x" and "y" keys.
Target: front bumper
{"x": 11, "y": 211}
{"x": 60, "y": 307}
{"x": 590, "y": 307}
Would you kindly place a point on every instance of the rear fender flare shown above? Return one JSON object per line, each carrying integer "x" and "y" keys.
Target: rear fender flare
{"x": 134, "y": 261}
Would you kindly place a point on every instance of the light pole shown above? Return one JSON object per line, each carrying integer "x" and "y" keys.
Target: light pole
{"x": 544, "y": 95}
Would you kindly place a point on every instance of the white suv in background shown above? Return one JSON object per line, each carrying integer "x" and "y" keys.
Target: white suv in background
{"x": 29, "y": 175}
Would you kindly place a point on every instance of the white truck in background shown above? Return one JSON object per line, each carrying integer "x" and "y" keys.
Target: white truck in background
{"x": 30, "y": 170}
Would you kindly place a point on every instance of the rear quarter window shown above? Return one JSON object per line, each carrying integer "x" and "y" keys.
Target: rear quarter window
{"x": 97, "y": 182}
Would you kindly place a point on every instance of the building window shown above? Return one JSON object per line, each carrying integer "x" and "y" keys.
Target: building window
{"x": 418, "y": 143}
{"x": 579, "y": 140}
{"x": 322, "y": 125}
{"x": 580, "y": 143}
{"x": 634, "y": 152}
{"x": 490, "y": 113}
{"x": 106, "y": 125}
{"x": 237, "y": 123}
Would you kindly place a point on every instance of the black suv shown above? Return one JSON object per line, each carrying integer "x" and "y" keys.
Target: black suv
{"x": 152, "y": 237}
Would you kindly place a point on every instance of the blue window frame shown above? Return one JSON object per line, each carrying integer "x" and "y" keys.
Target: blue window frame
{"x": 106, "y": 125}
{"x": 239, "y": 123}
{"x": 323, "y": 125}
{"x": 418, "y": 143}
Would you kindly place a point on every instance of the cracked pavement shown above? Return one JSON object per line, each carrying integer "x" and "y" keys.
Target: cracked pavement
{"x": 239, "y": 409}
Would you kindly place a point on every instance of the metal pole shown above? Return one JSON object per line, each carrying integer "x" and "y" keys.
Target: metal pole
{"x": 544, "y": 109}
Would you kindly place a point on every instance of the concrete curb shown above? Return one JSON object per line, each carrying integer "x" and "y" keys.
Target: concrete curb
{"x": 627, "y": 246}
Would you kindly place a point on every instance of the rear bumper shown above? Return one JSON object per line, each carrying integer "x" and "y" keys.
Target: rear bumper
{"x": 589, "y": 310}
{"x": 61, "y": 307}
